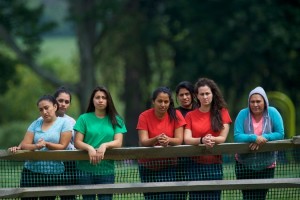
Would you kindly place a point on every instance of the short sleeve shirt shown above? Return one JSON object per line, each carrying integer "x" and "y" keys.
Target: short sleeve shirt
{"x": 199, "y": 123}
{"x": 148, "y": 121}
{"x": 97, "y": 131}
{"x": 53, "y": 134}
{"x": 155, "y": 126}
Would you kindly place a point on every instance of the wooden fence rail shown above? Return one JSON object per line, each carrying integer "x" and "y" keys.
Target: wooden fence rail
{"x": 152, "y": 152}
{"x": 150, "y": 187}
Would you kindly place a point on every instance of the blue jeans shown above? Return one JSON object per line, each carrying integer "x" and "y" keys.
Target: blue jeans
{"x": 32, "y": 179}
{"x": 86, "y": 178}
{"x": 69, "y": 176}
{"x": 162, "y": 175}
{"x": 242, "y": 172}
{"x": 200, "y": 172}
{"x": 181, "y": 175}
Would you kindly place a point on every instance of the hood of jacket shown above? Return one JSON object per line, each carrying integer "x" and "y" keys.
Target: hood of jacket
{"x": 261, "y": 91}
{"x": 267, "y": 124}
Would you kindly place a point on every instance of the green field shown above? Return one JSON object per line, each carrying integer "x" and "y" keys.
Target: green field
{"x": 63, "y": 48}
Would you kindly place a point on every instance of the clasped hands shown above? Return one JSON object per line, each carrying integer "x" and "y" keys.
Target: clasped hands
{"x": 208, "y": 140}
{"x": 96, "y": 155}
{"x": 40, "y": 144}
{"x": 163, "y": 140}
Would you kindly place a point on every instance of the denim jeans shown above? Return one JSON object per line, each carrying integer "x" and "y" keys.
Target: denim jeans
{"x": 70, "y": 178}
{"x": 86, "y": 178}
{"x": 199, "y": 172}
{"x": 162, "y": 175}
{"x": 242, "y": 172}
{"x": 32, "y": 179}
{"x": 181, "y": 175}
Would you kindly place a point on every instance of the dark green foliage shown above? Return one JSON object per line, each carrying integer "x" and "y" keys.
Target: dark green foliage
{"x": 240, "y": 44}
{"x": 24, "y": 23}
{"x": 8, "y": 70}
{"x": 11, "y": 134}
{"x": 134, "y": 46}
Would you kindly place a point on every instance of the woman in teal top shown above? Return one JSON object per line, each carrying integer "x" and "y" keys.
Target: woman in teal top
{"x": 257, "y": 124}
{"x": 98, "y": 129}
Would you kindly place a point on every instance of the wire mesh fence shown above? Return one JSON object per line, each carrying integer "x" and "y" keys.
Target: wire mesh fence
{"x": 182, "y": 172}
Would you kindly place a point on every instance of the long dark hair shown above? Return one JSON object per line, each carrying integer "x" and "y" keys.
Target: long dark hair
{"x": 110, "y": 108}
{"x": 217, "y": 103}
{"x": 171, "y": 110}
{"x": 48, "y": 97}
{"x": 189, "y": 87}
{"x": 62, "y": 89}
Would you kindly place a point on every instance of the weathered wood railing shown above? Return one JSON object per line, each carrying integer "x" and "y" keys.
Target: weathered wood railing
{"x": 151, "y": 152}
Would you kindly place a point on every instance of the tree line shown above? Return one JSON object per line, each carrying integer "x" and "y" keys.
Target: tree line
{"x": 134, "y": 46}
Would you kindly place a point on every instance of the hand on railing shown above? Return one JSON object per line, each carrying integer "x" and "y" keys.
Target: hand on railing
{"x": 94, "y": 157}
{"x": 14, "y": 149}
{"x": 259, "y": 142}
{"x": 101, "y": 151}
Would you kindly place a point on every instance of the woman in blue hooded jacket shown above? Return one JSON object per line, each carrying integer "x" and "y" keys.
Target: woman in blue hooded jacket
{"x": 257, "y": 124}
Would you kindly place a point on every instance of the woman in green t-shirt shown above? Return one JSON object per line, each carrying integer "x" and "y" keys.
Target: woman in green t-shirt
{"x": 98, "y": 129}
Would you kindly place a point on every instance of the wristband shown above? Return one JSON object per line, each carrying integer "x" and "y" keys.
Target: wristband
{"x": 201, "y": 140}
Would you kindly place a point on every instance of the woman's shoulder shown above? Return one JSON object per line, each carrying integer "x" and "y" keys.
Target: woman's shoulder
{"x": 243, "y": 113}
{"x": 37, "y": 122}
{"x": 62, "y": 120}
{"x": 179, "y": 114}
{"x": 273, "y": 111}
{"x": 119, "y": 118}
{"x": 71, "y": 119}
{"x": 244, "y": 110}
{"x": 68, "y": 117}
{"x": 194, "y": 112}
{"x": 148, "y": 112}
{"x": 224, "y": 110}
{"x": 87, "y": 115}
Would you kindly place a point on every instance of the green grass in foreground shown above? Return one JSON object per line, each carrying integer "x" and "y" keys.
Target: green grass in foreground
{"x": 10, "y": 177}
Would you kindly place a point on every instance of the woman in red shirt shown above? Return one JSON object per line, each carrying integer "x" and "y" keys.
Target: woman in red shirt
{"x": 161, "y": 125}
{"x": 208, "y": 125}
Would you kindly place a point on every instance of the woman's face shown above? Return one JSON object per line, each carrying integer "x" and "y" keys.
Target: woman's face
{"x": 161, "y": 103}
{"x": 257, "y": 104}
{"x": 204, "y": 95}
{"x": 100, "y": 100}
{"x": 47, "y": 110}
{"x": 63, "y": 100}
{"x": 184, "y": 97}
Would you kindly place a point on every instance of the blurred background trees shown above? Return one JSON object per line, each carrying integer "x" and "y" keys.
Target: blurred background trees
{"x": 133, "y": 46}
